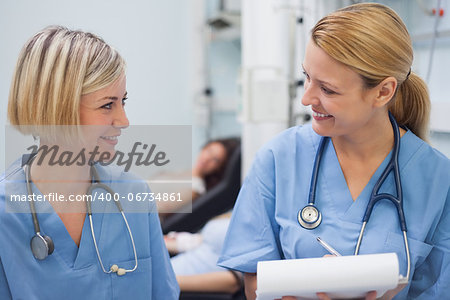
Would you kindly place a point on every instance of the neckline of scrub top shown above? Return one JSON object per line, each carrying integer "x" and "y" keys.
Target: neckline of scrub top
{"x": 340, "y": 196}
{"x": 74, "y": 256}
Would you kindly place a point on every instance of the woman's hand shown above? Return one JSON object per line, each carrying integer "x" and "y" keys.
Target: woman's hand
{"x": 250, "y": 285}
{"x": 369, "y": 296}
{"x": 171, "y": 243}
{"x": 391, "y": 293}
{"x": 323, "y": 296}
{"x": 196, "y": 172}
{"x": 214, "y": 282}
{"x": 372, "y": 295}
{"x": 177, "y": 242}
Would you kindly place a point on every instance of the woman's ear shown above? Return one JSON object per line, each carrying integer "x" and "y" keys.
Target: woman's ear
{"x": 385, "y": 91}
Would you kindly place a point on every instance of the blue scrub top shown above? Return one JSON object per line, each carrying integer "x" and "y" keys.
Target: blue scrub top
{"x": 73, "y": 272}
{"x": 264, "y": 224}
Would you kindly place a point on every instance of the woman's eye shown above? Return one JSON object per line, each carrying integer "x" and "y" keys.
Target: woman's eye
{"x": 327, "y": 91}
{"x": 107, "y": 105}
{"x": 124, "y": 101}
{"x": 306, "y": 75}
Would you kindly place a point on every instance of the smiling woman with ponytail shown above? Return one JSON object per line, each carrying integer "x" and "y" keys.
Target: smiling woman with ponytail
{"x": 376, "y": 48}
{"x": 358, "y": 70}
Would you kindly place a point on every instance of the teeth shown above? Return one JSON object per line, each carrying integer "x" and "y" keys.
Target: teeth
{"x": 316, "y": 114}
{"x": 111, "y": 138}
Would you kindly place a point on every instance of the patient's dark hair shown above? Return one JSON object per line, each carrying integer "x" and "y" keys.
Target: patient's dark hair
{"x": 230, "y": 144}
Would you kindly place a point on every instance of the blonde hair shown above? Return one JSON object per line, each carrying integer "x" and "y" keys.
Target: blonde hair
{"x": 371, "y": 39}
{"x": 54, "y": 69}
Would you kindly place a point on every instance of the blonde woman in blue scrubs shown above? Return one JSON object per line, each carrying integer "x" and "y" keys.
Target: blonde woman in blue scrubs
{"x": 358, "y": 68}
{"x": 66, "y": 77}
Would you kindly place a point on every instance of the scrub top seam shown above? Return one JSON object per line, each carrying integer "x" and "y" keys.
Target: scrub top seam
{"x": 415, "y": 153}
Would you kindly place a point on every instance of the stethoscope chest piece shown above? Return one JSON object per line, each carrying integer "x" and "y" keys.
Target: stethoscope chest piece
{"x": 309, "y": 217}
{"x": 41, "y": 246}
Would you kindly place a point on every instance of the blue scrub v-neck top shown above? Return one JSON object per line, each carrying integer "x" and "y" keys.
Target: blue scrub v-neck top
{"x": 73, "y": 272}
{"x": 264, "y": 224}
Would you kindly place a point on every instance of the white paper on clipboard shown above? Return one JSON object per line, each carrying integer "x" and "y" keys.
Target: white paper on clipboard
{"x": 342, "y": 277}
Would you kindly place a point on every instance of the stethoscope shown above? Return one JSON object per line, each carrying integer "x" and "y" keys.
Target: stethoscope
{"x": 42, "y": 245}
{"x": 310, "y": 217}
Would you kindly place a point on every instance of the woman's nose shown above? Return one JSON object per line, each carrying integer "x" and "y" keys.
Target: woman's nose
{"x": 309, "y": 96}
{"x": 120, "y": 118}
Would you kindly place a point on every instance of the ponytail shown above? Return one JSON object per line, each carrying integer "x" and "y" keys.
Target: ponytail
{"x": 411, "y": 106}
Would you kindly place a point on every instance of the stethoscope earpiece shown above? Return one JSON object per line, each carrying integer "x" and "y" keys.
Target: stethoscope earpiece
{"x": 41, "y": 246}
{"x": 309, "y": 217}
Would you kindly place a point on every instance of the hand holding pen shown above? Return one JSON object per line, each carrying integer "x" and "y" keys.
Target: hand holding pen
{"x": 323, "y": 296}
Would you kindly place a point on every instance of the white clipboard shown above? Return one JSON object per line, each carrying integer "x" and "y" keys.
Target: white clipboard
{"x": 341, "y": 277}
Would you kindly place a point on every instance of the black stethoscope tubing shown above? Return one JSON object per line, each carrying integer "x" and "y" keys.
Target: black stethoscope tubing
{"x": 43, "y": 246}
{"x": 309, "y": 217}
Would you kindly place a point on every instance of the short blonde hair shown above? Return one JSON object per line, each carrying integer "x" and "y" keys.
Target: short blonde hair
{"x": 54, "y": 69}
{"x": 372, "y": 40}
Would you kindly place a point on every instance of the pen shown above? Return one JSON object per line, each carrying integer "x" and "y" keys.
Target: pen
{"x": 328, "y": 247}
